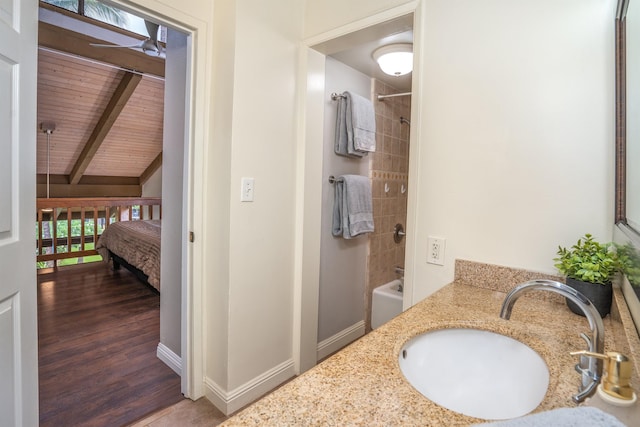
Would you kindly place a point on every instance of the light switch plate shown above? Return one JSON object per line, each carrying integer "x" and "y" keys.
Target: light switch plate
{"x": 246, "y": 190}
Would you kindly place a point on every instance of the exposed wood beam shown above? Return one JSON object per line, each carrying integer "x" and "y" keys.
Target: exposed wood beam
{"x": 89, "y": 190}
{"x": 41, "y": 178}
{"x": 117, "y": 102}
{"x": 153, "y": 166}
{"x": 90, "y": 179}
{"x": 89, "y": 186}
{"x": 78, "y": 44}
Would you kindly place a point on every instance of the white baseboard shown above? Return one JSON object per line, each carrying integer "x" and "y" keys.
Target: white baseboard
{"x": 229, "y": 402}
{"x": 169, "y": 358}
{"x": 341, "y": 339}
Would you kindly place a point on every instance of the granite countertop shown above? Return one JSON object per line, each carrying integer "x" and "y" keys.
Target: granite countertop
{"x": 362, "y": 384}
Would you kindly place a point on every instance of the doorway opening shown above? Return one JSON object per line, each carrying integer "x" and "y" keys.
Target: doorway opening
{"x": 128, "y": 159}
{"x": 349, "y": 270}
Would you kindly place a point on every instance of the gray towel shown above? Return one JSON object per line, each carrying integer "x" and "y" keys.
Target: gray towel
{"x": 352, "y": 207}
{"x": 355, "y": 134}
{"x": 342, "y": 142}
{"x": 583, "y": 416}
{"x": 362, "y": 121}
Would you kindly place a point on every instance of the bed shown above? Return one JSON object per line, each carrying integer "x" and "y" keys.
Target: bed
{"x": 135, "y": 245}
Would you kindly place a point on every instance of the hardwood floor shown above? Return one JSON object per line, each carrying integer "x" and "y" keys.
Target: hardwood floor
{"x": 98, "y": 332}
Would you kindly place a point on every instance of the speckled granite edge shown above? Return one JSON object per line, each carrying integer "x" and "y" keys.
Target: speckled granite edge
{"x": 495, "y": 277}
{"x": 500, "y": 278}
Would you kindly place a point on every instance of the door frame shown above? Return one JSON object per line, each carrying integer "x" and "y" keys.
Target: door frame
{"x": 309, "y": 174}
{"x": 196, "y": 130}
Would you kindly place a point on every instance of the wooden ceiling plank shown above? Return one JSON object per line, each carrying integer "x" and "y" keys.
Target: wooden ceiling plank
{"x": 153, "y": 166}
{"x": 117, "y": 102}
{"x": 74, "y": 93}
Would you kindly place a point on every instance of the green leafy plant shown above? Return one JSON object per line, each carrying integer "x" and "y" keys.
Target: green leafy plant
{"x": 588, "y": 261}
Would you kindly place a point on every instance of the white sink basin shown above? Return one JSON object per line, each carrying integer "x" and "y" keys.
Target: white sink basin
{"x": 477, "y": 373}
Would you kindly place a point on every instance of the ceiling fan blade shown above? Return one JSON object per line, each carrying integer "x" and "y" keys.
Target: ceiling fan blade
{"x": 152, "y": 29}
{"x": 113, "y": 45}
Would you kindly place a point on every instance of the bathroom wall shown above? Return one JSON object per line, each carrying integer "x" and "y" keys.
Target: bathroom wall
{"x": 390, "y": 166}
{"x": 343, "y": 263}
{"x": 248, "y": 248}
{"x": 515, "y": 131}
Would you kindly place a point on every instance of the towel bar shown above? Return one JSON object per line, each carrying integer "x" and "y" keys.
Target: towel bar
{"x": 335, "y": 96}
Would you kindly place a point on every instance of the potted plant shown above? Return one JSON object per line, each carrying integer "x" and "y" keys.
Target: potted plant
{"x": 589, "y": 267}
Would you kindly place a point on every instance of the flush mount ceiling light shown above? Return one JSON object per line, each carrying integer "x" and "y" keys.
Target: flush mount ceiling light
{"x": 395, "y": 59}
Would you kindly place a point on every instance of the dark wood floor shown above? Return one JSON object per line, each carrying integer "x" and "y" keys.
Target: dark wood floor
{"x": 98, "y": 333}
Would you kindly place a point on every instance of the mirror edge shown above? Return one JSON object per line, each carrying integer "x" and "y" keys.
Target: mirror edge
{"x": 620, "y": 112}
{"x": 622, "y": 233}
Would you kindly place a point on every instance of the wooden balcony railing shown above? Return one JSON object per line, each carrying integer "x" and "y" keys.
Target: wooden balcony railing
{"x": 69, "y": 228}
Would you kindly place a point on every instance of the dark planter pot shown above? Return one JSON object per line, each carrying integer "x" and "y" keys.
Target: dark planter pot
{"x": 599, "y": 295}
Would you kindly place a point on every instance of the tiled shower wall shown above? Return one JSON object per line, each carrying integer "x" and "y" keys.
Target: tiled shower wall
{"x": 390, "y": 165}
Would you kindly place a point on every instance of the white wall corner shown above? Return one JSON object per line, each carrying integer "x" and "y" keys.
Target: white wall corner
{"x": 340, "y": 340}
{"x": 229, "y": 402}
{"x": 169, "y": 358}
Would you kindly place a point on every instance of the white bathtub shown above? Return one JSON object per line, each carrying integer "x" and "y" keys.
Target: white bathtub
{"x": 386, "y": 303}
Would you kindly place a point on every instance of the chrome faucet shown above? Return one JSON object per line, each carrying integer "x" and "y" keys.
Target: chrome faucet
{"x": 589, "y": 367}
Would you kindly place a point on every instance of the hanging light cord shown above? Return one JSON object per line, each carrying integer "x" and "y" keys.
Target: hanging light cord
{"x": 48, "y": 132}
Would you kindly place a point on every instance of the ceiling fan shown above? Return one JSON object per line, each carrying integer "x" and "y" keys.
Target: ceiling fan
{"x": 150, "y": 46}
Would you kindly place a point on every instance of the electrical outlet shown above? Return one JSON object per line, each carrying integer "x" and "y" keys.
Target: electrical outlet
{"x": 435, "y": 250}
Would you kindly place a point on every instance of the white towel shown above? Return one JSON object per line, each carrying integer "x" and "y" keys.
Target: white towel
{"x": 355, "y": 133}
{"x": 352, "y": 207}
{"x": 583, "y": 416}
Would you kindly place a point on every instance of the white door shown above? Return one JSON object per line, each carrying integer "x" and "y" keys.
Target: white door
{"x": 18, "y": 127}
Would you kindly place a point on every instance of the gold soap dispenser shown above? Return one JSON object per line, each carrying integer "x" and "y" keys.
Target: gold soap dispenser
{"x": 614, "y": 394}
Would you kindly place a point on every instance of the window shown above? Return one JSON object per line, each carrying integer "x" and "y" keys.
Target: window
{"x": 108, "y": 14}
